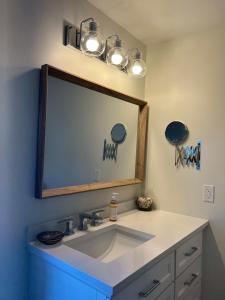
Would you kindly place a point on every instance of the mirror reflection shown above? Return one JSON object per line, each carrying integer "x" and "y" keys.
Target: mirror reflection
{"x": 83, "y": 137}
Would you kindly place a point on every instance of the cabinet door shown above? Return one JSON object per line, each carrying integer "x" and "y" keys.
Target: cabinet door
{"x": 48, "y": 282}
{"x": 150, "y": 284}
{"x": 186, "y": 283}
{"x": 168, "y": 294}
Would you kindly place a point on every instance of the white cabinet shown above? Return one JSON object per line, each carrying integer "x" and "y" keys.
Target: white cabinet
{"x": 176, "y": 276}
{"x": 187, "y": 281}
{"x": 189, "y": 269}
{"x": 168, "y": 294}
{"x": 188, "y": 252}
{"x": 195, "y": 294}
{"x": 152, "y": 283}
{"x": 48, "y": 282}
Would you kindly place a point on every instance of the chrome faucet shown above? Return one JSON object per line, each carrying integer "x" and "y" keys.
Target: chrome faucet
{"x": 69, "y": 225}
{"x": 96, "y": 218}
{"x": 92, "y": 218}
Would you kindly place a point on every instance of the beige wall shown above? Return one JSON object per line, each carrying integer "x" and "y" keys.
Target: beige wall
{"x": 31, "y": 35}
{"x": 187, "y": 82}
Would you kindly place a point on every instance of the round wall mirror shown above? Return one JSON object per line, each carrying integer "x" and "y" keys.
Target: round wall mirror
{"x": 176, "y": 133}
{"x": 118, "y": 133}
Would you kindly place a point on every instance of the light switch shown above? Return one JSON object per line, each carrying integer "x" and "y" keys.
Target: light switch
{"x": 208, "y": 193}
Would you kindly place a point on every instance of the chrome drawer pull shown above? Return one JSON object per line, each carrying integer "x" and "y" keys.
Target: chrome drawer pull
{"x": 148, "y": 291}
{"x": 191, "y": 252}
{"x": 193, "y": 277}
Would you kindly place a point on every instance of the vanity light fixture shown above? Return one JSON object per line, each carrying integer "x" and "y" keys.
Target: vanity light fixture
{"x": 116, "y": 55}
{"x": 87, "y": 38}
{"x": 136, "y": 66}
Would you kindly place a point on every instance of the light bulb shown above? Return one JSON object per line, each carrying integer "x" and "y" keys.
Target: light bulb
{"x": 92, "y": 44}
{"x": 117, "y": 56}
{"x": 136, "y": 66}
{"x": 116, "y": 59}
{"x": 136, "y": 69}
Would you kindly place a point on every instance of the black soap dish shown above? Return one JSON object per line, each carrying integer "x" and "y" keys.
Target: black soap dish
{"x": 50, "y": 237}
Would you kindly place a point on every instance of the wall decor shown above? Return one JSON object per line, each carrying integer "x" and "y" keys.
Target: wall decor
{"x": 177, "y": 133}
{"x": 90, "y": 41}
{"x": 144, "y": 203}
{"x": 188, "y": 156}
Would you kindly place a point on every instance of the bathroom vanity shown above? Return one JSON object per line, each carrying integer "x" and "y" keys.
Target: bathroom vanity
{"x": 154, "y": 255}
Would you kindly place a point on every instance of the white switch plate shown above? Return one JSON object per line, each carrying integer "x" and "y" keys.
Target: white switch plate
{"x": 208, "y": 193}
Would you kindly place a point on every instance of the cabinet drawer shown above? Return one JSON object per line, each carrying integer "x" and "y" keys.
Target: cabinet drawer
{"x": 149, "y": 285}
{"x": 187, "y": 282}
{"x": 188, "y": 252}
{"x": 196, "y": 293}
{"x": 168, "y": 294}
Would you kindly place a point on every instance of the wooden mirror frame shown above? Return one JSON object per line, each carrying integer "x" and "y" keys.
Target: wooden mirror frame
{"x": 41, "y": 193}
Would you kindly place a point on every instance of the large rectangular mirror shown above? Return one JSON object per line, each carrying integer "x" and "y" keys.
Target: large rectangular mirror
{"x": 90, "y": 137}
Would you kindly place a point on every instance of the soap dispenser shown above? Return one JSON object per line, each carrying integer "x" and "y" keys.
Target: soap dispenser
{"x": 113, "y": 207}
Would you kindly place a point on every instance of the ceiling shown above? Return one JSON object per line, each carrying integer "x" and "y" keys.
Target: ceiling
{"x": 158, "y": 20}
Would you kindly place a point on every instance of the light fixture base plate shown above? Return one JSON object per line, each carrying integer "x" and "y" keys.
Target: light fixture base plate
{"x": 71, "y": 33}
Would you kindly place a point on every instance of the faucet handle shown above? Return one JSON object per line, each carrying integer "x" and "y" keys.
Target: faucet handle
{"x": 84, "y": 221}
{"x": 95, "y": 218}
{"x": 96, "y": 212}
{"x": 69, "y": 225}
{"x": 91, "y": 218}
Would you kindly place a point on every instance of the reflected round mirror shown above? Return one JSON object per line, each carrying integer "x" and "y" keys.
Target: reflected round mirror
{"x": 118, "y": 133}
{"x": 176, "y": 133}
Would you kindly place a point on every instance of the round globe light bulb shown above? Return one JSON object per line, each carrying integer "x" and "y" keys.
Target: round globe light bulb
{"x": 92, "y": 44}
{"x": 137, "y": 68}
{"x": 116, "y": 59}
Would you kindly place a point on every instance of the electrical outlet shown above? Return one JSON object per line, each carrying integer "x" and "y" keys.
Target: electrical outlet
{"x": 208, "y": 193}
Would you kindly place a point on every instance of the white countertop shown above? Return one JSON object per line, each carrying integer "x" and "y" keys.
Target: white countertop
{"x": 168, "y": 228}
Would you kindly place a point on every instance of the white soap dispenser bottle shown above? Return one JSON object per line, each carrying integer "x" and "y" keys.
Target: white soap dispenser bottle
{"x": 113, "y": 207}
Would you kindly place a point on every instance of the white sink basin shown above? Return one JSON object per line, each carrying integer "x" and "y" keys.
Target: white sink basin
{"x": 108, "y": 243}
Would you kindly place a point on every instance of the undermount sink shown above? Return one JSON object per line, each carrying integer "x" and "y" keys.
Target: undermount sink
{"x": 108, "y": 243}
